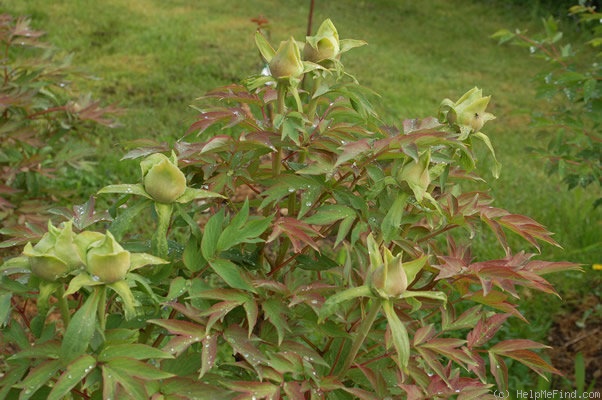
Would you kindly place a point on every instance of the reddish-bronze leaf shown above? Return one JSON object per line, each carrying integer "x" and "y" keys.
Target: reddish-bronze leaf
{"x": 485, "y": 330}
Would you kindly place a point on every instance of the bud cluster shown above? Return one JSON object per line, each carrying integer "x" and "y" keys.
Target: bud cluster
{"x": 292, "y": 59}
{"x": 61, "y": 252}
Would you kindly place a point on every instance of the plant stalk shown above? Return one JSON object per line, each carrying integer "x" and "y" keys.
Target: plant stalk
{"x": 361, "y": 335}
{"x": 63, "y": 305}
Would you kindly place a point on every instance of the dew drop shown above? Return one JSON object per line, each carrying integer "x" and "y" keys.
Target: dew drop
{"x": 95, "y": 278}
{"x": 308, "y": 203}
{"x": 291, "y": 189}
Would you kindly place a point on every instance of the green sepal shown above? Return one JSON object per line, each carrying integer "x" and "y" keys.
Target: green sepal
{"x": 122, "y": 288}
{"x": 399, "y": 334}
{"x": 126, "y": 188}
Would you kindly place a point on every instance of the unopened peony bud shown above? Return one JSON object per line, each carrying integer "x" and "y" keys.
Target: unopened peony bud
{"x": 390, "y": 279}
{"x": 324, "y": 45}
{"x": 55, "y": 255}
{"x": 468, "y": 113}
{"x": 416, "y": 174}
{"x": 287, "y": 63}
{"x": 107, "y": 261}
{"x": 162, "y": 178}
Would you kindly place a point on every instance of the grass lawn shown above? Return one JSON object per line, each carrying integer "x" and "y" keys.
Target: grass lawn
{"x": 154, "y": 57}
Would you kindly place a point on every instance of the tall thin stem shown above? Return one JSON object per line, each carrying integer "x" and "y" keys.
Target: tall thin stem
{"x": 361, "y": 334}
{"x": 63, "y": 306}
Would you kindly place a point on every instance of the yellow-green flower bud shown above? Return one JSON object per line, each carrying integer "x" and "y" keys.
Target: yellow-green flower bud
{"x": 324, "y": 45}
{"x": 162, "y": 178}
{"x": 417, "y": 176}
{"x": 55, "y": 255}
{"x": 107, "y": 261}
{"x": 287, "y": 62}
{"x": 468, "y": 113}
{"x": 390, "y": 280}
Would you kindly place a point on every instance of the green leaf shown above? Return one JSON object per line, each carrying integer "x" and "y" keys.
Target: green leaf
{"x": 285, "y": 185}
{"x": 330, "y": 213}
{"x": 122, "y": 288}
{"x": 81, "y": 328}
{"x": 126, "y": 188}
{"x": 399, "y": 334}
{"x": 192, "y": 257}
{"x": 44, "y": 350}
{"x": 134, "y": 368}
{"x": 125, "y": 219}
{"x": 331, "y": 304}
{"x": 137, "y": 351}
{"x": 76, "y": 371}
{"x": 179, "y": 327}
{"x": 38, "y": 377}
{"x": 138, "y": 260}
{"x": 211, "y": 234}
{"x": 209, "y": 353}
{"x": 275, "y": 310}
{"x": 240, "y": 231}
{"x": 497, "y": 166}
{"x": 111, "y": 378}
{"x": 197, "y": 194}
{"x": 233, "y": 275}
{"x": 266, "y": 50}
{"x": 319, "y": 262}
{"x": 79, "y": 281}
{"x": 392, "y": 221}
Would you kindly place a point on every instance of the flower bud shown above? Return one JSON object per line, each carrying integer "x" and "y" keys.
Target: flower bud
{"x": 417, "y": 175}
{"x": 390, "y": 280}
{"x": 106, "y": 260}
{"x": 55, "y": 255}
{"x": 468, "y": 113}
{"x": 162, "y": 178}
{"x": 286, "y": 62}
{"x": 324, "y": 45}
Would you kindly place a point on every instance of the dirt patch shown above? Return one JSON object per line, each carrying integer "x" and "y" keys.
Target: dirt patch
{"x": 578, "y": 330}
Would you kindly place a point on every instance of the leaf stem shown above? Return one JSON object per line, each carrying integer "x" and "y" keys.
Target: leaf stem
{"x": 63, "y": 305}
{"x": 361, "y": 334}
{"x": 102, "y": 307}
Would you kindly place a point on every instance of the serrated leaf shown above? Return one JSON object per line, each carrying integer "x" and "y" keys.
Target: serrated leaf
{"x": 76, "y": 371}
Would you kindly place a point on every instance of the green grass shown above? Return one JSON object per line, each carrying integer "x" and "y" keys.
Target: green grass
{"x": 154, "y": 57}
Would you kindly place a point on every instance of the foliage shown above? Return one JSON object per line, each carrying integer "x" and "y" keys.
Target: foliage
{"x": 39, "y": 108}
{"x": 573, "y": 85}
{"x": 310, "y": 252}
